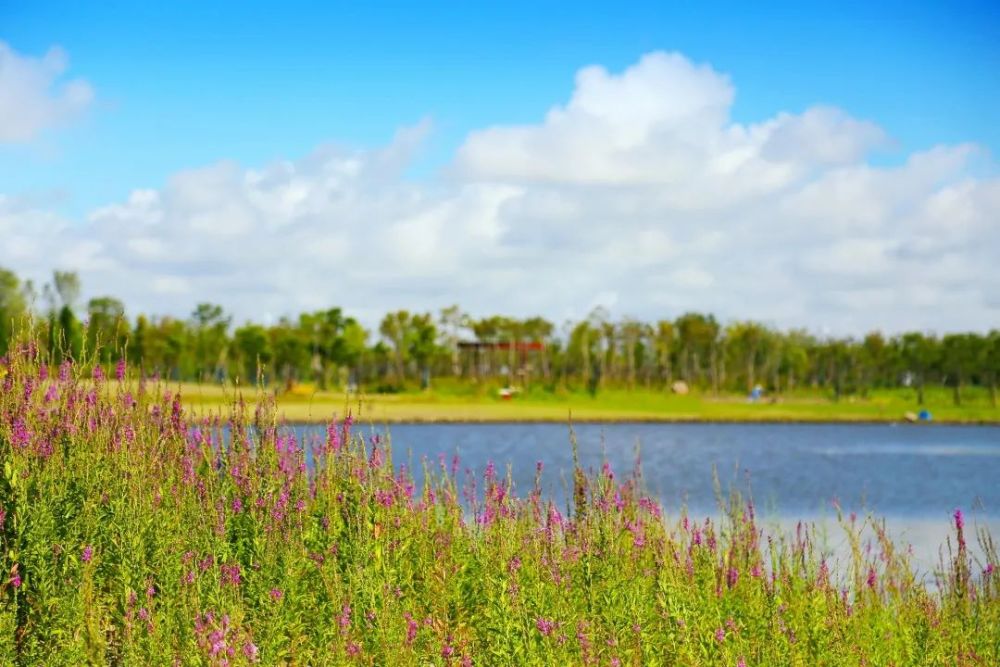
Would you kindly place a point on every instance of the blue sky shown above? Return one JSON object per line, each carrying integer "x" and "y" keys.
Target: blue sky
{"x": 186, "y": 85}
{"x": 182, "y": 84}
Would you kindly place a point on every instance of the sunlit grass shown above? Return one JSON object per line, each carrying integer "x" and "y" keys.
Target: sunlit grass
{"x": 132, "y": 536}
{"x": 447, "y": 404}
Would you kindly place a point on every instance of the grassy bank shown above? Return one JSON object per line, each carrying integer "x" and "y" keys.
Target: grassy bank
{"x": 127, "y": 536}
{"x": 452, "y": 404}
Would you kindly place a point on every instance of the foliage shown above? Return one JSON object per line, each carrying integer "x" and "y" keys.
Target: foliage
{"x": 130, "y": 535}
{"x": 332, "y": 350}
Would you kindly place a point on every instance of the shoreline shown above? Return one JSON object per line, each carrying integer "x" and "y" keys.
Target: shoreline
{"x": 666, "y": 420}
{"x": 615, "y": 408}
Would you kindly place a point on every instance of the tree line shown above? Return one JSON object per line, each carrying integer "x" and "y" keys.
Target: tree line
{"x": 333, "y": 350}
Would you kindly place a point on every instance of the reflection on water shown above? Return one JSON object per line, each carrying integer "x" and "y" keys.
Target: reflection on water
{"x": 926, "y": 540}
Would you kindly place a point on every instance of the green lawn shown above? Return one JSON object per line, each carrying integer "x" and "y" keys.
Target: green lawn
{"x": 452, "y": 404}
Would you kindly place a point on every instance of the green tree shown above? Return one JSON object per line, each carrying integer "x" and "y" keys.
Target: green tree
{"x": 632, "y": 332}
{"x": 959, "y": 354}
{"x": 210, "y": 327}
{"x": 539, "y": 330}
{"x": 65, "y": 333}
{"x": 13, "y": 308}
{"x": 253, "y": 350}
{"x": 107, "y": 328}
{"x": 291, "y": 352}
{"x": 919, "y": 353}
{"x": 991, "y": 363}
{"x": 326, "y": 331}
{"x": 138, "y": 344}
{"x": 394, "y": 328}
{"x": 874, "y": 360}
{"x": 698, "y": 341}
{"x": 452, "y": 322}
{"x": 664, "y": 346}
{"x": 747, "y": 340}
{"x": 421, "y": 342}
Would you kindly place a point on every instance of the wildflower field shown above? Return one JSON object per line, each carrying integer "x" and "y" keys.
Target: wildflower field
{"x": 133, "y": 535}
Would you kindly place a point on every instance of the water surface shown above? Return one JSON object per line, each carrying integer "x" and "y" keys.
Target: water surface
{"x": 915, "y": 476}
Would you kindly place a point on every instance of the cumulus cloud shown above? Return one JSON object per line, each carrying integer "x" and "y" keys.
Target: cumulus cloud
{"x": 33, "y": 96}
{"x": 639, "y": 193}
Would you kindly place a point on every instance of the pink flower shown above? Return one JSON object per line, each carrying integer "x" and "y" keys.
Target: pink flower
{"x": 345, "y": 617}
{"x": 88, "y": 553}
{"x": 250, "y": 651}
{"x": 230, "y": 574}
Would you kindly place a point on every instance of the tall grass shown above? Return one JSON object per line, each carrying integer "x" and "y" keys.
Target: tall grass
{"x": 131, "y": 536}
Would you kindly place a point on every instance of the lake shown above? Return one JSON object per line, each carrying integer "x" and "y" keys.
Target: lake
{"x": 915, "y": 476}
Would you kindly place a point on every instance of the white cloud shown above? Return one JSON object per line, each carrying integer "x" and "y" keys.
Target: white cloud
{"x": 33, "y": 96}
{"x": 639, "y": 192}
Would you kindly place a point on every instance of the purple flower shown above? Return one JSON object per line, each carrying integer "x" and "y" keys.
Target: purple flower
{"x": 250, "y": 651}
{"x": 345, "y": 617}
{"x": 276, "y": 594}
{"x": 98, "y": 373}
{"x": 88, "y": 553}
{"x": 989, "y": 569}
{"x": 959, "y": 520}
{"x": 15, "y": 581}
{"x": 545, "y": 626}
{"x": 332, "y": 437}
{"x": 720, "y": 635}
{"x": 20, "y": 435}
{"x": 120, "y": 370}
{"x": 231, "y": 574}
{"x": 871, "y": 578}
{"x": 741, "y": 662}
{"x": 447, "y": 651}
